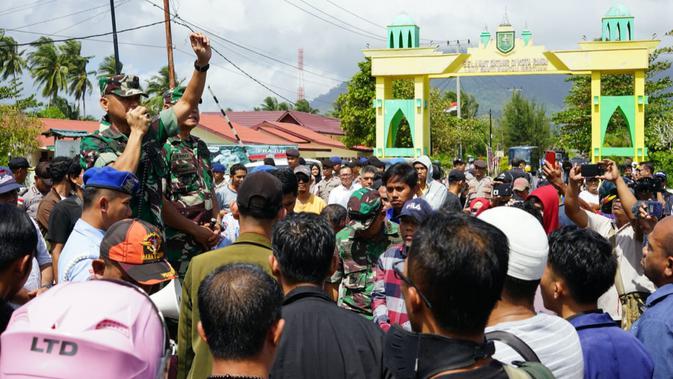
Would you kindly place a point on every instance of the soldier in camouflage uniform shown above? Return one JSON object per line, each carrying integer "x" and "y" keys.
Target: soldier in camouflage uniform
{"x": 129, "y": 141}
{"x": 189, "y": 187}
{"x": 359, "y": 246}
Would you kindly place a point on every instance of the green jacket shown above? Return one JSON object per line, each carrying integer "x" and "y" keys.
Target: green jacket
{"x": 194, "y": 358}
{"x": 104, "y": 147}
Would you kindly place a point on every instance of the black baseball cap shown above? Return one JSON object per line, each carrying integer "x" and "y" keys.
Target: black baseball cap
{"x": 292, "y": 152}
{"x": 456, "y": 175}
{"x": 18, "y": 162}
{"x": 260, "y": 190}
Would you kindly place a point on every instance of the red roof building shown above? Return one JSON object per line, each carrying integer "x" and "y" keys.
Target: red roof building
{"x": 320, "y": 124}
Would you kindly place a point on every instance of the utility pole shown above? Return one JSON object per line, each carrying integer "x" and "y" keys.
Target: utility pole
{"x": 458, "y": 95}
{"x": 169, "y": 45}
{"x": 490, "y": 129}
{"x": 114, "y": 38}
{"x": 460, "y": 144}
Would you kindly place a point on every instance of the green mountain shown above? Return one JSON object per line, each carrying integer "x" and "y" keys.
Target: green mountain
{"x": 491, "y": 92}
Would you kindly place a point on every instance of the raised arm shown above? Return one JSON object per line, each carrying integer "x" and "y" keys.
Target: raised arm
{"x": 625, "y": 196}
{"x": 190, "y": 99}
{"x": 572, "y": 205}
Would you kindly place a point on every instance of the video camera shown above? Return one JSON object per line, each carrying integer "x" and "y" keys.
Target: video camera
{"x": 648, "y": 185}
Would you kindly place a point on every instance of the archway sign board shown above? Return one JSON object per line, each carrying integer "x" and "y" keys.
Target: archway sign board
{"x": 510, "y": 53}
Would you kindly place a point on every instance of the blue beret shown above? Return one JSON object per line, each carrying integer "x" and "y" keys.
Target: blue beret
{"x": 363, "y": 161}
{"x": 109, "y": 178}
{"x": 335, "y": 160}
{"x": 263, "y": 168}
{"x": 219, "y": 167}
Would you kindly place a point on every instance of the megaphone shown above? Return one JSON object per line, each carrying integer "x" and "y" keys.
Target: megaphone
{"x": 168, "y": 299}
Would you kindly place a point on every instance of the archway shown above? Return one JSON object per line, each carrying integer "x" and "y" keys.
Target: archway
{"x": 512, "y": 54}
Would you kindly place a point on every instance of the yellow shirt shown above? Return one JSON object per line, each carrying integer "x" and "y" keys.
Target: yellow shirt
{"x": 313, "y": 205}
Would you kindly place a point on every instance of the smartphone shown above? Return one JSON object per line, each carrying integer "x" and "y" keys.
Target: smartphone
{"x": 550, "y": 156}
{"x": 592, "y": 170}
{"x": 655, "y": 209}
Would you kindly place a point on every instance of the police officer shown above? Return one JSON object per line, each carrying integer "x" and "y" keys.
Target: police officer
{"x": 190, "y": 188}
{"x": 128, "y": 140}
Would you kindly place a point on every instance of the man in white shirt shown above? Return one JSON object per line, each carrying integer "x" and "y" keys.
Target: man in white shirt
{"x": 627, "y": 240}
{"x": 107, "y": 199}
{"x": 590, "y": 193}
{"x": 553, "y": 339}
{"x": 343, "y": 192}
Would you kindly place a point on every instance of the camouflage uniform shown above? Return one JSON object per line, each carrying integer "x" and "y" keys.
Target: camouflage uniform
{"x": 189, "y": 188}
{"x": 104, "y": 146}
{"x": 358, "y": 256}
{"x": 191, "y": 191}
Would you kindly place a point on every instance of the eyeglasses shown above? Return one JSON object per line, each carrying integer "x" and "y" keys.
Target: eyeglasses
{"x": 398, "y": 268}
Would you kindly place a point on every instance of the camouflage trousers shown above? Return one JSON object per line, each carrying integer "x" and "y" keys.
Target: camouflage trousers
{"x": 180, "y": 248}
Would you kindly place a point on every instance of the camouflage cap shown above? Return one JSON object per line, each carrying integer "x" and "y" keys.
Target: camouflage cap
{"x": 363, "y": 207}
{"x": 121, "y": 85}
{"x": 174, "y": 94}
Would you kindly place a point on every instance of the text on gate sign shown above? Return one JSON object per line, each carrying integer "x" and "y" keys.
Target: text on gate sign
{"x": 505, "y": 65}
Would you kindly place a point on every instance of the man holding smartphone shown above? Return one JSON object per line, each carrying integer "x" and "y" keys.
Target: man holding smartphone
{"x": 622, "y": 301}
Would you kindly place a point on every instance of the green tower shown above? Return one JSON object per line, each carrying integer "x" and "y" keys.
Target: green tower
{"x": 617, "y": 24}
{"x": 403, "y": 33}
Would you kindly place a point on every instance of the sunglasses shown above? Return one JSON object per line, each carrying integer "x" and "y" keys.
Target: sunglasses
{"x": 398, "y": 269}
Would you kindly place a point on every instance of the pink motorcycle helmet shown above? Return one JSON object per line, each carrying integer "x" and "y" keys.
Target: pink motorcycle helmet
{"x": 96, "y": 329}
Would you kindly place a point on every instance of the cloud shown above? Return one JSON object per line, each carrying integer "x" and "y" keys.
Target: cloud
{"x": 278, "y": 29}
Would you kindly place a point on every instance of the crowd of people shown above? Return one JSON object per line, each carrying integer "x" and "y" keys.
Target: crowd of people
{"x": 324, "y": 269}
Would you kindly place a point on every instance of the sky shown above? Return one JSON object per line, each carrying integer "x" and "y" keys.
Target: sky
{"x": 278, "y": 28}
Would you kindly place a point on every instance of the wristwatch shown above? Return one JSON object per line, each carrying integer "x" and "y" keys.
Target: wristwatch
{"x": 201, "y": 68}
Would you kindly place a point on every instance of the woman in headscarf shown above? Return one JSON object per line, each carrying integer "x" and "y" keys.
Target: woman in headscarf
{"x": 546, "y": 199}
{"x": 429, "y": 189}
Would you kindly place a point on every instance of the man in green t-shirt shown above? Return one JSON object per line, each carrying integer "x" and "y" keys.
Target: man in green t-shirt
{"x": 128, "y": 140}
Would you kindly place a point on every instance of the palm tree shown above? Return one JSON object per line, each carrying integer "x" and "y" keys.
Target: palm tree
{"x": 157, "y": 86}
{"x": 304, "y": 106}
{"x": 49, "y": 67}
{"x": 269, "y": 104}
{"x": 107, "y": 67}
{"x": 78, "y": 76}
{"x": 11, "y": 58}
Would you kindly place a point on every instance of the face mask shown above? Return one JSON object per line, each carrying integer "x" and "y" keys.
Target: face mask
{"x": 415, "y": 355}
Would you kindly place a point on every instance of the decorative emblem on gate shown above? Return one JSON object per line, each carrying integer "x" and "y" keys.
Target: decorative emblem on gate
{"x": 504, "y": 41}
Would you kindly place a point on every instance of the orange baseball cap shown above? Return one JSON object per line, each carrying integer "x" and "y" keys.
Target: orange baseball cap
{"x": 139, "y": 249}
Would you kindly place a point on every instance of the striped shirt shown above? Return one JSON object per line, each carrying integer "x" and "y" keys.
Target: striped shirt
{"x": 552, "y": 338}
{"x": 387, "y": 301}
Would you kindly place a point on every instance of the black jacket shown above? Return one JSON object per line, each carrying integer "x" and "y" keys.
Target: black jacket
{"x": 320, "y": 340}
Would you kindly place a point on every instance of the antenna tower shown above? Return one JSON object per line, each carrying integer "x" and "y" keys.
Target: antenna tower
{"x": 300, "y": 66}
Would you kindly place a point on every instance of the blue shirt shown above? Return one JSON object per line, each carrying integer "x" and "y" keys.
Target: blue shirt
{"x": 82, "y": 247}
{"x": 655, "y": 330}
{"x": 609, "y": 351}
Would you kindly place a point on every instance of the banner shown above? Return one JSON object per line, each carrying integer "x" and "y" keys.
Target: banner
{"x": 229, "y": 155}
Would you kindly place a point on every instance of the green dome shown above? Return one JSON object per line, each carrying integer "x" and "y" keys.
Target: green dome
{"x": 618, "y": 10}
{"x": 403, "y": 19}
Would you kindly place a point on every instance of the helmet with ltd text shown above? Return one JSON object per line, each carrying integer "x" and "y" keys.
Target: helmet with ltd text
{"x": 100, "y": 328}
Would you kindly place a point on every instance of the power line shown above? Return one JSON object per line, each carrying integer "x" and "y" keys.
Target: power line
{"x": 38, "y": 42}
{"x": 355, "y": 14}
{"x": 239, "y": 68}
{"x": 91, "y": 18}
{"x": 341, "y": 21}
{"x": 241, "y": 46}
{"x": 61, "y": 17}
{"x": 23, "y": 8}
{"x": 332, "y": 23}
{"x": 91, "y": 39}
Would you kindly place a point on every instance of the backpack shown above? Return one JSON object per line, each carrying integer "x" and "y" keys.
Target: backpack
{"x": 527, "y": 370}
{"x": 531, "y": 368}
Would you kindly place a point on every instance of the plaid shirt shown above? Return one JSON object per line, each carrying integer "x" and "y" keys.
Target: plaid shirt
{"x": 387, "y": 301}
